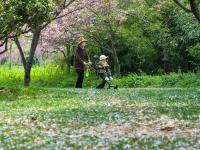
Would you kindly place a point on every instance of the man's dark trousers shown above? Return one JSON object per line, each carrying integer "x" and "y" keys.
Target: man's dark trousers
{"x": 79, "y": 82}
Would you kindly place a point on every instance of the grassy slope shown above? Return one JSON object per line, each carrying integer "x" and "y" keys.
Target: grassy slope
{"x": 53, "y": 76}
{"x": 123, "y": 119}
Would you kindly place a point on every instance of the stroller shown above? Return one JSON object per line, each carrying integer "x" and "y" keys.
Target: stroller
{"x": 105, "y": 83}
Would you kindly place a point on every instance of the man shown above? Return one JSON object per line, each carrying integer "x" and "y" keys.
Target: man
{"x": 81, "y": 58}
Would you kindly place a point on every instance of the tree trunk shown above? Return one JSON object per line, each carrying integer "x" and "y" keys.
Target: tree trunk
{"x": 10, "y": 55}
{"x": 68, "y": 58}
{"x": 21, "y": 52}
{"x": 116, "y": 62}
{"x": 35, "y": 39}
{"x": 114, "y": 52}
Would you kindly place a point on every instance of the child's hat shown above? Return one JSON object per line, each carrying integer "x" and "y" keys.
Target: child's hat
{"x": 102, "y": 57}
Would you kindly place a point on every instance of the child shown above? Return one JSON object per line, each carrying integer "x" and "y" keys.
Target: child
{"x": 104, "y": 68}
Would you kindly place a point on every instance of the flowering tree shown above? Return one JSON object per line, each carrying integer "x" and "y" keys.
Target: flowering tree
{"x": 12, "y": 24}
{"x": 35, "y": 16}
{"x": 105, "y": 28}
{"x": 98, "y": 21}
{"x": 60, "y": 36}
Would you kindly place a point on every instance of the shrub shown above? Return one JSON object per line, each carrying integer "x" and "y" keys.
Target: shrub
{"x": 167, "y": 80}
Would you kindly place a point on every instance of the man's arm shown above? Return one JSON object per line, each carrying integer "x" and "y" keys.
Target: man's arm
{"x": 87, "y": 56}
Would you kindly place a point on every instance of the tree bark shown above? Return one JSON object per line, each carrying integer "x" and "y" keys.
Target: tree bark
{"x": 35, "y": 39}
{"x": 6, "y": 47}
{"x": 10, "y": 55}
{"x": 116, "y": 63}
{"x": 21, "y": 52}
{"x": 68, "y": 58}
{"x": 182, "y": 6}
{"x": 195, "y": 9}
{"x": 114, "y": 54}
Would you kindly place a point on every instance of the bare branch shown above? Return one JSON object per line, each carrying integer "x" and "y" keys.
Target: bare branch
{"x": 182, "y": 6}
{"x": 6, "y": 47}
{"x": 12, "y": 36}
{"x": 2, "y": 44}
{"x": 98, "y": 41}
{"x": 58, "y": 17}
{"x": 57, "y": 13}
{"x": 62, "y": 52}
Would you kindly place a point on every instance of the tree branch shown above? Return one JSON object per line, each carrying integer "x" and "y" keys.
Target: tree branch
{"x": 62, "y": 52}
{"x": 12, "y": 36}
{"x": 57, "y": 13}
{"x": 2, "y": 44}
{"x": 195, "y": 9}
{"x": 98, "y": 41}
{"x": 58, "y": 17}
{"x": 182, "y": 6}
{"x": 20, "y": 51}
{"x": 6, "y": 47}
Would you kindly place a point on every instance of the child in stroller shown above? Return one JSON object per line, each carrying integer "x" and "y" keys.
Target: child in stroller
{"x": 102, "y": 69}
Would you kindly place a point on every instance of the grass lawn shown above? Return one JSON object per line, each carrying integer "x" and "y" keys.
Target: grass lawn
{"x": 58, "y": 118}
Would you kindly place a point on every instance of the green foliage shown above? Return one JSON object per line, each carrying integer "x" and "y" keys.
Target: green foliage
{"x": 51, "y": 75}
{"x": 19, "y": 16}
{"x": 157, "y": 36}
{"x": 140, "y": 37}
{"x": 169, "y": 80}
{"x": 148, "y": 36}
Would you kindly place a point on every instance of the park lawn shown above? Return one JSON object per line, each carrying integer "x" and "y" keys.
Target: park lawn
{"x": 60, "y": 118}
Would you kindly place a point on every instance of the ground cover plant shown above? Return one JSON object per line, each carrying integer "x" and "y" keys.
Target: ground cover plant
{"x": 60, "y": 118}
